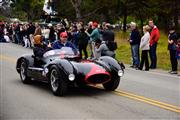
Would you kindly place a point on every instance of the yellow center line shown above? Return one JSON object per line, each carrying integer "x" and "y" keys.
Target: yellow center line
{"x": 122, "y": 93}
{"x": 150, "y": 101}
{"x": 10, "y": 59}
{"x": 145, "y": 100}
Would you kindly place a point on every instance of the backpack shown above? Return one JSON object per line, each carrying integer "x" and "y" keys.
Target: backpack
{"x": 111, "y": 45}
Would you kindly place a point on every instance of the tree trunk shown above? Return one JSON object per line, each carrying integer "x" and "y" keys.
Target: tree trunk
{"x": 76, "y": 4}
{"x": 176, "y": 13}
{"x": 141, "y": 19}
{"x": 29, "y": 17}
{"x": 141, "y": 26}
{"x": 125, "y": 18}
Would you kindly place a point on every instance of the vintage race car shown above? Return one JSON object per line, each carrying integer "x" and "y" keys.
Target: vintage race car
{"x": 62, "y": 68}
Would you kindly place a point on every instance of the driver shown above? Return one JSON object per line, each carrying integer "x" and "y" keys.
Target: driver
{"x": 64, "y": 43}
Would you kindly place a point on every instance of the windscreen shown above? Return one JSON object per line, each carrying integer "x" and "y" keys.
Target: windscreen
{"x": 63, "y": 52}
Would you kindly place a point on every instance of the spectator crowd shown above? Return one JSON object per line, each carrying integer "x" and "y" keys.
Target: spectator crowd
{"x": 99, "y": 38}
{"x": 148, "y": 44}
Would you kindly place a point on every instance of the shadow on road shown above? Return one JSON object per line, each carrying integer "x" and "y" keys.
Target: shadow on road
{"x": 85, "y": 91}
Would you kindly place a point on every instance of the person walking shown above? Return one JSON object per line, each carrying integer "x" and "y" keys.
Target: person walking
{"x": 82, "y": 42}
{"x": 144, "y": 45}
{"x": 172, "y": 40}
{"x": 154, "y": 37}
{"x": 135, "y": 39}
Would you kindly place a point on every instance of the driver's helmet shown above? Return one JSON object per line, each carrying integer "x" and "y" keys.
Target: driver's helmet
{"x": 38, "y": 40}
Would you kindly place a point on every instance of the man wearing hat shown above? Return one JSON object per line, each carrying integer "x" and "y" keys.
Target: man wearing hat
{"x": 62, "y": 42}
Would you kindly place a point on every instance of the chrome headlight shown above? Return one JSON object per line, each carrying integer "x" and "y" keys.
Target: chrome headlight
{"x": 71, "y": 77}
{"x": 120, "y": 73}
{"x": 46, "y": 70}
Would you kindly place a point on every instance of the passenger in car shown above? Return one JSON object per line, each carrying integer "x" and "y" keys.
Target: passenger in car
{"x": 39, "y": 49}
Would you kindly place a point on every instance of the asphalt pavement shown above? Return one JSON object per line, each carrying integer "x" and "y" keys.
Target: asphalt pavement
{"x": 140, "y": 95}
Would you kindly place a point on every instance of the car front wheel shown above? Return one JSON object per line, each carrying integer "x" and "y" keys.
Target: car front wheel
{"x": 57, "y": 83}
{"x": 23, "y": 72}
{"x": 112, "y": 84}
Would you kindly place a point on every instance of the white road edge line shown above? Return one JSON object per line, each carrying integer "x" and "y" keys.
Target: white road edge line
{"x": 157, "y": 73}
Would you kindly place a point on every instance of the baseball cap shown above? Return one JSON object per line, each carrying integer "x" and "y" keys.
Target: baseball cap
{"x": 95, "y": 24}
{"x": 63, "y": 35}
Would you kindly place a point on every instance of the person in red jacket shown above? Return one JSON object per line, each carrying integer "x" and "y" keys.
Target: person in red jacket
{"x": 154, "y": 37}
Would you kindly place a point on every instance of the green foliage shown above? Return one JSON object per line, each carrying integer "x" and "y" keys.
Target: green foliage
{"x": 163, "y": 12}
{"x": 32, "y": 8}
{"x": 2, "y": 17}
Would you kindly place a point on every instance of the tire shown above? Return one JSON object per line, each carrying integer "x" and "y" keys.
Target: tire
{"x": 112, "y": 84}
{"x": 23, "y": 72}
{"x": 57, "y": 83}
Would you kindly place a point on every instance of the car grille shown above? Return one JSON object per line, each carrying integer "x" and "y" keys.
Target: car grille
{"x": 98, "y": 78}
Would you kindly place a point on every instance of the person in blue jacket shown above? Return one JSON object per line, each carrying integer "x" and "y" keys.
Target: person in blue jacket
{"x": 135, "y": 39}
{"x": 64, "y": 43}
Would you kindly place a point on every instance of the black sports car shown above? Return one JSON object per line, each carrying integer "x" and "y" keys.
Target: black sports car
{"x": 62, "y": 68}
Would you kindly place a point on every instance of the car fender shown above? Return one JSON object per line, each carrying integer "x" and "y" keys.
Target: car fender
{"x": 29, "y": 61}
{"x": 112, "y": 64}
{"x": 64, "y": 66}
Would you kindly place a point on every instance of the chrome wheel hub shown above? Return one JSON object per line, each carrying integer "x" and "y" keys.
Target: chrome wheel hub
{"x": 23, "y": 76}
{"x": 54, "y": 80}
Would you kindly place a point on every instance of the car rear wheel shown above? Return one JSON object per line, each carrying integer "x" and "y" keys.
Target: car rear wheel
{"x": 23, "y": 72}
{"x": 112, "y": 84}
{"x": 57, "y": 83}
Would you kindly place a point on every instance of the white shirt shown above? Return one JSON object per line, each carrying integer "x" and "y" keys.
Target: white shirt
{"x": 144, "y": 45}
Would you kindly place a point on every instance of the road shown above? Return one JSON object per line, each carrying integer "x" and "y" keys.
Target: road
{"x": 140, "y": 95}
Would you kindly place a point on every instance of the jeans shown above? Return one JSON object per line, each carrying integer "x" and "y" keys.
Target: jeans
{"x": 153, "y": 56}
{"x": 135, "y": 54}
{"x": 2, "y": 38}
{"x": 83, "y": 48}
{"x": 173, "y": 60}
{"x": 17, "y": 40}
